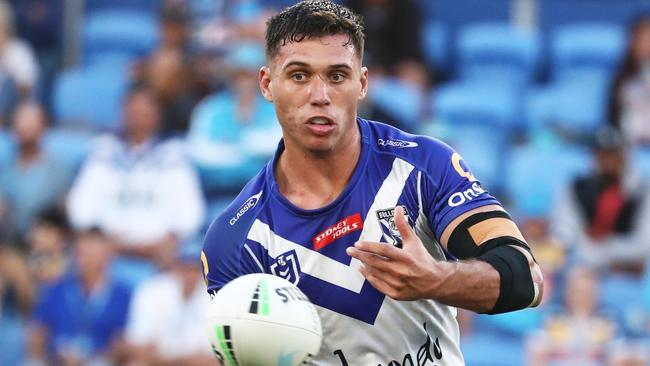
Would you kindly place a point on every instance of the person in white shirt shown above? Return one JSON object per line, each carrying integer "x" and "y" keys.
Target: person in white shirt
{"x": 166, "y": 325}
{"x": 139, "y": 188}
{"x": 17, "y": 59}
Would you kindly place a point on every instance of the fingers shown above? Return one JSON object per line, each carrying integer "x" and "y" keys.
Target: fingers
{"x": 405, "y": 230}
{"x": 380, "y": 249}
{"x": 369, "y": 259}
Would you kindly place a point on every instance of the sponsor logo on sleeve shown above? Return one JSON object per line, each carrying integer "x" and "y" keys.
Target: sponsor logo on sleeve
{"x": 338, "y": 230}
{"x": 461, "y": 167}
{"x": 458, "y": 198}
{"x": 250, "y": 203}
{"x": 396, "y": 143}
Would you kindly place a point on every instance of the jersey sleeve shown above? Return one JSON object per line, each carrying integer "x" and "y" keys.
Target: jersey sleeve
{"x": 449, "y": 188}
{"x": 226, "y": 254}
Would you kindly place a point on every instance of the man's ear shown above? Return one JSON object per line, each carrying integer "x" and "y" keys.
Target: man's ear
{"x": 364, "y": 83}
{"x": 265, "y": 83}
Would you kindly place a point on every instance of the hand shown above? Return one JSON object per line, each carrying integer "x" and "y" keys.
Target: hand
{"x": 409, "y": 273}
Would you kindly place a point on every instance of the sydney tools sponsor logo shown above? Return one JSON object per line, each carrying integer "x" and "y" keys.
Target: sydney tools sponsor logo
{"x": 396, "y": 143}
{"x": 340, "y": 229}
{"x": 250, "y": 203}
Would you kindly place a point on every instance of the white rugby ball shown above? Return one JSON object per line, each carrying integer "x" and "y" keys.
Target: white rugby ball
{"x": 263, "y": 320}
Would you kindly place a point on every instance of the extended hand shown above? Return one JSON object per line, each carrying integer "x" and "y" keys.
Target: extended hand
{"x": 409, "y": 273}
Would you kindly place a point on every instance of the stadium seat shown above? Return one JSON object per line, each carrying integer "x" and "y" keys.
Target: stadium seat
{"x": 6, "y": 147}
{"x": 128, "y": 32}
{"x": 92, "y": 6}
{"x": 435, "y": 45}
{"x": 407, "y": 108}
{"x": 473, "y": 103}
{"x": 586, "y": 48}
{"x": 572, "y": 106}
{"x": 90, "y": 96}
{"x": 535, "y": 174}
{"x": 498, "y": 52}
{"x": 70, "y": 146}
{"x": 641, "y": 160}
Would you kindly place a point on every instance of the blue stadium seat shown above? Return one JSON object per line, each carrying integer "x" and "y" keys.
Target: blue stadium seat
{"x": 435, "y": 45}
{"x": 398, "y": 99}
{"x": 129, "y": 32}
{"x": 498, "y": 52}
{"x": 12, "y": 338}
{"x": 69, "y": 146}
{"x": 90, "y": 96}
{"x": 141, "y": 5}
{"x": 6, "y": 147}
{"x": 473, "y": 103}
{"x": 572, "y": 106}
{"x": 586, "y": 48}
{"x": 641, "y": 160}
{"x": 535, "y": 174}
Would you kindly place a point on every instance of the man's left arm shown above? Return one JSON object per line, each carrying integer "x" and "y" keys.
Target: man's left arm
{"x": 496, "y": 272}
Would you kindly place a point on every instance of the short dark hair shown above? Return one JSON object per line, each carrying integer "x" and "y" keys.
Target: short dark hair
{"x": 313, "y": 18}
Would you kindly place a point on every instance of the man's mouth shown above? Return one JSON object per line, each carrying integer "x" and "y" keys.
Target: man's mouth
{"x": 320, "y": 126}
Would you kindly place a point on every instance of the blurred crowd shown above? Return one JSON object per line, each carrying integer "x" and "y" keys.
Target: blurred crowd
{"x": 122, "y": 138}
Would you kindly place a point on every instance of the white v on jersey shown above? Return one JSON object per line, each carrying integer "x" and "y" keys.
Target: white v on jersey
{"x": 261, "y": 231}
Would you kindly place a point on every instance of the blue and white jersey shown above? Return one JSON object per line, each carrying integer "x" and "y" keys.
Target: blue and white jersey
{"x": 261, "y": 231}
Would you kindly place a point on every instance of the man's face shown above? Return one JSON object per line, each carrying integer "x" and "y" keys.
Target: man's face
{"x": 142, "y": 115}
{"x": 316, "y": 86}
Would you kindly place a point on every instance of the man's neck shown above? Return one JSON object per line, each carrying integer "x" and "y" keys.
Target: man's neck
{"x": 310, "y": 181}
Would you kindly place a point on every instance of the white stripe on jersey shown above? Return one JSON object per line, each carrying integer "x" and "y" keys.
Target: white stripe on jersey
{"x": 323, "y": 267}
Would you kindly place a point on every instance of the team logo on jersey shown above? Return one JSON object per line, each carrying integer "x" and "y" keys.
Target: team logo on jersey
{"x": 286, "y": 266}
{"x": 389, "y": 229}
{"x": 250, "y": 203}
{"x": 396, "y": 143}
{"x": 338, "y": 230}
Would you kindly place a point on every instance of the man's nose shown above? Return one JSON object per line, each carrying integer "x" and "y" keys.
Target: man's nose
{"x": 319, "y": 91}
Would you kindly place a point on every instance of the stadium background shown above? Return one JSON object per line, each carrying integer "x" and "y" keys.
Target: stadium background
{"x": 518, "y": 87}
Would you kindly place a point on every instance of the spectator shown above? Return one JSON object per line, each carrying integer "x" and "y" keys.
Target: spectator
{"x": 629, "y": 107}
{"x": 18, "y": 68}
{"x": 139, "y": 189}
{"x": 40, "y": 22}
{"x": 603, "y": 216}
{"x": 578, "y": 335}
{"x": 235, "y": 129}
{"x": 393, "y": 43}
{"x": 33, "y": 181}
{"x": 16, "y": 297}
{"x": 166, "y": 325}
{"x": 170, "y": 76}
{"x": 48, "y": 238}
{"x": 79, "y": 319}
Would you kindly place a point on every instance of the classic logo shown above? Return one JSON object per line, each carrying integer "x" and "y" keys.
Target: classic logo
{"x": 389, "y": 229}
{"x": 396, "y": 143}
{"x": 250, "y": 203}
{"x": 286, "y": 266}
{"x": 338, "y": 230}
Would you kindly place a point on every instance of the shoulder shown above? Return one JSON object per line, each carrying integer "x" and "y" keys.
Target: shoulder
{"x": 236, "y": 219}
{"x": 423, "y": 152}
{"x": 105, "y": 148}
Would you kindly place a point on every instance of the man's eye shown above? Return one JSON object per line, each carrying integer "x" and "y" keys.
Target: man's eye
{"x": 337, "y": 77}
{"x": 299, "y": 77}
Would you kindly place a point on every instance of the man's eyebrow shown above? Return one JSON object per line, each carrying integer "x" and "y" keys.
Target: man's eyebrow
{"x": 295, "y": 63}
{"x": 306, "y": 65}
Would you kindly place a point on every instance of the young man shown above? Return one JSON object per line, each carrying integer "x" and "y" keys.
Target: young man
{"x": 363, "y": 217}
